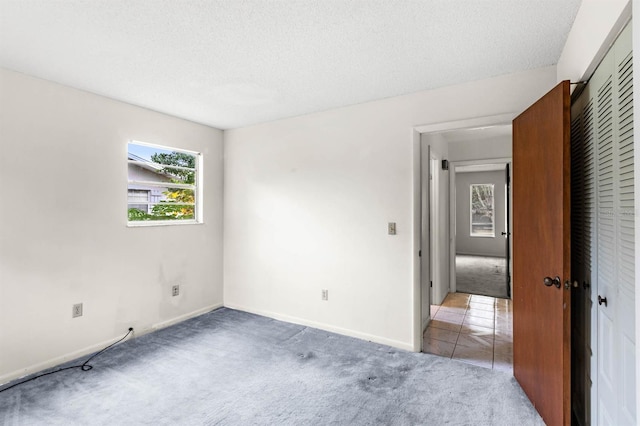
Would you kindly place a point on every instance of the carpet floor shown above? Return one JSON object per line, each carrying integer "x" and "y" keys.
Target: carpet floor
{"x": 229, "y": 367}
{"x": 486, "y": 276}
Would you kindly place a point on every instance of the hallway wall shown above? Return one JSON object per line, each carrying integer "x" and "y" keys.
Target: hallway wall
{"x": 480, "y": 246}
{"x": 480, "y": 149}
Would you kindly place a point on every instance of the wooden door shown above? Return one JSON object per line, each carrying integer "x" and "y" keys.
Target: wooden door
{"x": 542, "y": 254}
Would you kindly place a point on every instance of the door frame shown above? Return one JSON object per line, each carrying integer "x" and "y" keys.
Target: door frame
{"x": 453, "y": 209}
{"x": 416, "y": 132}
{"x": 434, "y": 221}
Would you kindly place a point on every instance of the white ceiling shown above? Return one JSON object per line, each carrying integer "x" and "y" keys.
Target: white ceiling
{"x": 477, "y": 134}
{"x": 232, "y": 63}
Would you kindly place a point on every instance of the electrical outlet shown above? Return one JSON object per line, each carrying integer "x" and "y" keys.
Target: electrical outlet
{"x": 175, "y": 290}
{"x": 77, "y": 310}
{"x": 325, "y": 294}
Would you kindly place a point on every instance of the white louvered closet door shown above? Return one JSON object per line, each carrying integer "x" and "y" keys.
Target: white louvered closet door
{"x": 583, "y": 216}
{"x": 603, "y": 219}
{"x": 624, "y": 215}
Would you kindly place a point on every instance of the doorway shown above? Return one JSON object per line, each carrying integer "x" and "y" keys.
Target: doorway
{"x": 476, "y": 327}
{"x": 460, "y": 334}
{"x": 481, "y": 212}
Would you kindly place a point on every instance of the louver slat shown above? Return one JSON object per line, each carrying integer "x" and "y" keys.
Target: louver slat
{"x": 577, "y": 197}
{"x": 589, "y": 184}
{"x": 625, "y": 209}
{"x": 605, "y": 197}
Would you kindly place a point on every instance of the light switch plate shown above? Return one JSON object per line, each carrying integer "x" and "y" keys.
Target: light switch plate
{"x": 77, "y": 310}
{"x": 392, "y": 228}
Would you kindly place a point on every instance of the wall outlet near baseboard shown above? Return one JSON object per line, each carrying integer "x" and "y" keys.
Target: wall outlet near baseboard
{"x": 325, "y": 294}
{"x": 175, "y": 290}
{"x": 77, "y": 310}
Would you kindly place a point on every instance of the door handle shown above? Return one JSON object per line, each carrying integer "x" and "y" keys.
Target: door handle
{"x": 602, "y": 300}
{"x": 548, "y": 281}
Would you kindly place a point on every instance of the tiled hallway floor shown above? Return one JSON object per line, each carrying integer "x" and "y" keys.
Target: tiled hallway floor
{"x": 473, "y": 329}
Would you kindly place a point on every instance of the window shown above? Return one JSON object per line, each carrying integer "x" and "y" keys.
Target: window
{"x": 139, "y": 195}
{"x": 164, "y": 185}
{"x": 482, "y": 210}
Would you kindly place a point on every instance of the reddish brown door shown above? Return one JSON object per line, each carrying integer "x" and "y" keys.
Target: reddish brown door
{"x": 541, "y": 249}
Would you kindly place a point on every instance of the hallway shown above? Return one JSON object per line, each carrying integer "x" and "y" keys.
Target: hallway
{"x": 482, "y": 275}
{"x": 474, "y": 329}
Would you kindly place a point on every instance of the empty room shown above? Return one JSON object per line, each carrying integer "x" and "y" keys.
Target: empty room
{"x": 250, "y": 212}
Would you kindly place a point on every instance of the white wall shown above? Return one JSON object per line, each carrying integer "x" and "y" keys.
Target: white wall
{"x": 63, "y": 233}
{"x": 440, "y": 241}
{"x": 487, "y": 149}
{"x": 307, "y": 201}
{"x": 594, "y": 30}
{"x": 481, "y": 246}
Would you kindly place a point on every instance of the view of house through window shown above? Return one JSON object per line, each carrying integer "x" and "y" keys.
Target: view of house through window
{"x": 482, "y": 210}
{"x": 163, "y": 184}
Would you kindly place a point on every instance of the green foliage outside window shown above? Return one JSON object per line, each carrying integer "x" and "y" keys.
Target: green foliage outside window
{"x": 169, "y": 209}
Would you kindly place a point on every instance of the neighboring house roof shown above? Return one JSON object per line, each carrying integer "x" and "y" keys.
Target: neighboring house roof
{"x": 145, "y": 164}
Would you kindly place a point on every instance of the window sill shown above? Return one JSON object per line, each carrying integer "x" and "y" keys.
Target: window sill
{"x": 148, "y": 223}
{"x": 482, "y": 236}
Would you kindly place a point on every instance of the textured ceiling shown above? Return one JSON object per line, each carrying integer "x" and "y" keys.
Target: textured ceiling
{"x": 490, "y": 133}
{"x": 232, "y": 63}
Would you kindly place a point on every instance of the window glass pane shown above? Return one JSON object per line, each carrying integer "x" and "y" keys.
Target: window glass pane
{"x": 162, "y": 184}
{"x": 138, "y": 211}
{"x": 140, "y": 195}
{"x": 482, "y": 210}
{"x": 147, "y": 152}
{"x": 180, "y": 175}
{"x": 141, "y": 172}
{"x": 170, "y": 211}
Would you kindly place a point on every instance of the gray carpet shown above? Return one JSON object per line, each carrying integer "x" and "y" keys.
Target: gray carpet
{"x": 482, "y": 275}
{"x": 233, "y": 368}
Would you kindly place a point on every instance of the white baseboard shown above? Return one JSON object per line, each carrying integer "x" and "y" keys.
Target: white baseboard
{"x": 23, "y": 372}
{"x": 326, "y": 327}
{"x": 184, "y": 317}
{"x": 295, "y": 320}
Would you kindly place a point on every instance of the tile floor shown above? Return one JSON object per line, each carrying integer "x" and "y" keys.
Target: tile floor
{"x": 473, "y": 329}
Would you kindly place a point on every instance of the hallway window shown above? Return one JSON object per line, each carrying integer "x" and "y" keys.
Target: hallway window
{"x": 482, "y": 210}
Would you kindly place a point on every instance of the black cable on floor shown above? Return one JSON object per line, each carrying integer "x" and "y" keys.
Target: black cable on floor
{"x": 85, "y": 366}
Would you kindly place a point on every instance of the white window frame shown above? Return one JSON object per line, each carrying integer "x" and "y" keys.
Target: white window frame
{"x": 197, "y": 187}
{"x": 493, "y": 215}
